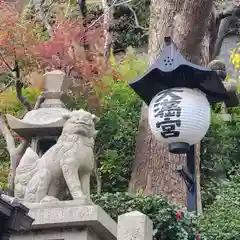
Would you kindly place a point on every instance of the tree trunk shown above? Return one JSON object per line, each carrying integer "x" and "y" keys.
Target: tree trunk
{"x": 154, "y": 168}
{"x": 108, "y": 21}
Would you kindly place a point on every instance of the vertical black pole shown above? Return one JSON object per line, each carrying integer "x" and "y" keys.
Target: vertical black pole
{"x": 6, "y": 236}
{"x": 4, "y": 231}
{"x": 192, "y": 192}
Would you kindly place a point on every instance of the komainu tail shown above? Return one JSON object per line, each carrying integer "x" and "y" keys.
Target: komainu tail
{"x": 25, "y": 170}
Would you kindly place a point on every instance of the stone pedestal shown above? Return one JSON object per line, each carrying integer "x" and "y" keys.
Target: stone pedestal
{"x": 134, "y": 225}
{"x": 68, "y": 221}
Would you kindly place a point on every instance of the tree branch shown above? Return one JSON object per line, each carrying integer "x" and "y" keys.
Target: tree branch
{"x": 83, "y": 8}
{"x": 5, "y": 62}
{"x": 7, "y": 86}
{"x": 19, "y": 86}
{"x": 41, "y": 16}
{"x": 96, "y": 171}
{"x": 223, "y": 22}
{"x": 135, "y": 17}
{"x": 212, "y": 32}
{"x": 107, "y": 23}
{"x": 195, "y": 23}
{"x": 122, "y": 3}
{"x": 98, "y": 19}
{"x": 15, "y": 153}
{"x": 7, "y": 135}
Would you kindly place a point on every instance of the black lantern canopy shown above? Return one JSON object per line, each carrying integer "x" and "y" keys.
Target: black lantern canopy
{"x": 13, "y": 216}
{"x": 171, "y": 69}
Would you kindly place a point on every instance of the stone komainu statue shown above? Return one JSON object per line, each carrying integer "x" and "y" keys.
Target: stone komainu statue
{"x": 67, "y": 164}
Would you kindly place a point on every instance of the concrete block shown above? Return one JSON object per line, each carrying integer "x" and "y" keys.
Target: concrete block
{"x": 134, "y": 226}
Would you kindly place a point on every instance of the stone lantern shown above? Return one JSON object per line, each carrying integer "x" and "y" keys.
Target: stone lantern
{"x": 44, "y": 125}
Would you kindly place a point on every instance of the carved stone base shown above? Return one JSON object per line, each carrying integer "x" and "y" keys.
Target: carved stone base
{"x": 53, "y": 202}
{"x": 68, "y": 221}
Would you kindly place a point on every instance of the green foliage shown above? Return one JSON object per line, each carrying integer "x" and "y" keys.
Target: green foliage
{"x": 221, "y": 221}
{"x": 10, "y": 104}
{"x": 4, "y": 163}
{"x": 115, "y": 143}
{"x": 40, "y": 33}
{"x": 119, "y": 119}
{"x": 220, "y": 178}
{"x": 128, "y": 34}
{"x": 159, "y": 210}
{"x": 218, "y": 162}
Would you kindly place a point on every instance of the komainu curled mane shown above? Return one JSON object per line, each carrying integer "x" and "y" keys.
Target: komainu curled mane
{"x": 67, "y": 164}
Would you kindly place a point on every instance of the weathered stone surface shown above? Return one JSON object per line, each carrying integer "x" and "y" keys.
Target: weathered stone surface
{"x": 44, "y": 121}
{"x": 56, "y": 84}
{"x": 59, "y": 234}
{"x": 134, "y": 226}
{"x": 56, "y": 81}
{"x": 40, "y": 122}
{"x": 66, "y": 165}
{"x": 69, "y": 222}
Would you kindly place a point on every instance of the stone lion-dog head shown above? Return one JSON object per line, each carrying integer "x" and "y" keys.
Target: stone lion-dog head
{"x": 80, "y": 122}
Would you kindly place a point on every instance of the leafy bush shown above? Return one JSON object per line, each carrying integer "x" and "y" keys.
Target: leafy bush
{"x": 221, "y": 221}
{"x": 118, "y": 127}
{"x": 169, "y": 222}
{"x": 221, "y": 180}
{"x": 218, "y": 162}
{"x": 127, "y": 32}
{"x": 10, "y": 104}
{"x": 119, "y": 112}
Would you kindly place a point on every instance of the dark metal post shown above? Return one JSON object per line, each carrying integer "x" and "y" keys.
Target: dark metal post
{"x": 4, "y": 233}
{"x": 13, "y": 216}
{"x": 192, "y": 190}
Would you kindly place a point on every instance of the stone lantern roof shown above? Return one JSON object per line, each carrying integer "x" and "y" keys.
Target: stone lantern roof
{"x": 46, "y": 120}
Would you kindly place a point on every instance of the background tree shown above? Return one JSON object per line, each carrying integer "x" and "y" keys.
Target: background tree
{"x": 154, "y": 168}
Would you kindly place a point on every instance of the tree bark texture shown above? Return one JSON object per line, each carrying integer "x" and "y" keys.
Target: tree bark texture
{"x": 154, "y": 168}
{"x": 108, "y": 21}
{"x": 15, "y": 153}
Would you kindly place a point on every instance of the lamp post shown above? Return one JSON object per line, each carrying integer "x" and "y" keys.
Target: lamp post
{"x": 179, "y": 94}
{"x": 13, "y": 216}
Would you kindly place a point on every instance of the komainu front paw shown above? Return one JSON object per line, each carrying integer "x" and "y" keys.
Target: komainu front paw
{"x": 80, "y": 197}
{"x": 49, "y": 199}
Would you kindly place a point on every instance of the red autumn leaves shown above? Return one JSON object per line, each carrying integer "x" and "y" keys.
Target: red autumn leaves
{"x": 16, "y": 38}
{"x": 65, "y": 49}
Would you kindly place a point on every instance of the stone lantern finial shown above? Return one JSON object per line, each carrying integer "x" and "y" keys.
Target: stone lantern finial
{"x": 55, "y": 85}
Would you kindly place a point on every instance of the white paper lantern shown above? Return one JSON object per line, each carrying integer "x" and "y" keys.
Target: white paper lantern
{"x": 179, "y": 115}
